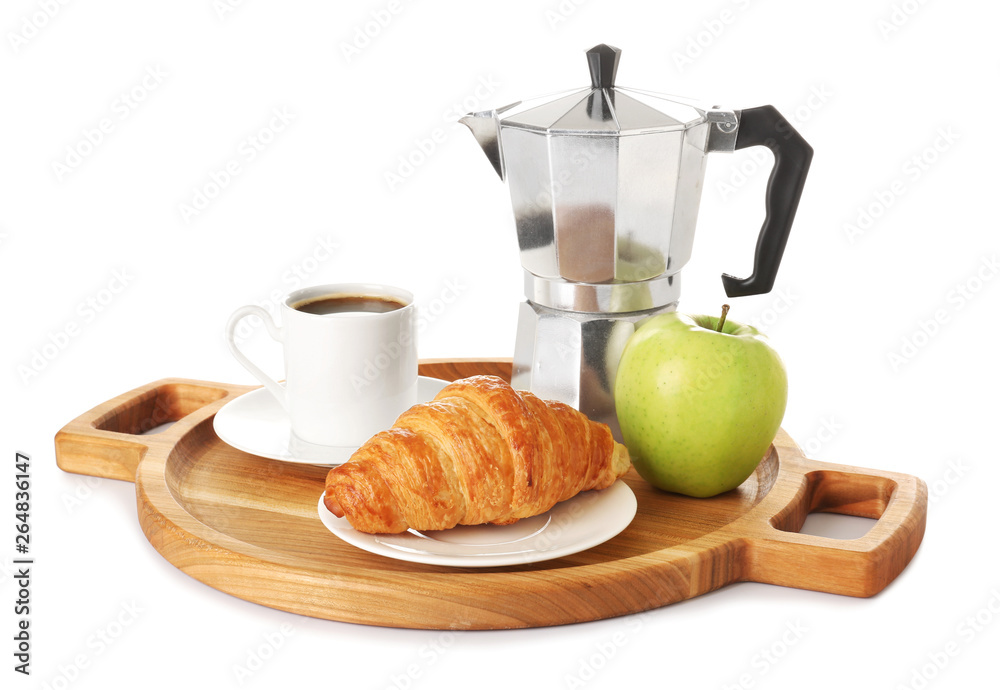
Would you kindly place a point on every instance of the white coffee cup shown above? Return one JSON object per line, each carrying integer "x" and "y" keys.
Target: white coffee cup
{"x": 349, "y": 374}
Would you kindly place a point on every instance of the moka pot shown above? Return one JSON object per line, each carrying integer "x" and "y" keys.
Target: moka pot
{"x": 605, "y": 184}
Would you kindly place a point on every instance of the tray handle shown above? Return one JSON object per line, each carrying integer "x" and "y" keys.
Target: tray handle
{"x": 110, "y": 439}
{"x": 778, "y": 554}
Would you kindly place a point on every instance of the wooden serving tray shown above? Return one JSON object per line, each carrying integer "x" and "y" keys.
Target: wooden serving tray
{"x": 248, "y": 526}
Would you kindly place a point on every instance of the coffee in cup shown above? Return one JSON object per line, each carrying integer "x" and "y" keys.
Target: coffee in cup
{"x": 350, "y": 359}
{"x": 342, "y": 303}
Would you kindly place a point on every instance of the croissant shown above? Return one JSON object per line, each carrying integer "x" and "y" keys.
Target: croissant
{"x": 480, "y": 452}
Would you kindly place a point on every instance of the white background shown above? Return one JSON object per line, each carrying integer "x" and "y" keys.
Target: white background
{"x": 868, "y": 94}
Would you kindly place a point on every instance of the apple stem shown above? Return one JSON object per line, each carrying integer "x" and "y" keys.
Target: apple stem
{"x": 722, "y": 319}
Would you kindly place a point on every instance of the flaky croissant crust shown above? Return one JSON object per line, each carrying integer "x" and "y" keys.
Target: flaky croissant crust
{"x": 480, "y": 452}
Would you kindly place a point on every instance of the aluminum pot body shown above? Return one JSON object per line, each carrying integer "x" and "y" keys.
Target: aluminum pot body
{"x": 604, "y": 210}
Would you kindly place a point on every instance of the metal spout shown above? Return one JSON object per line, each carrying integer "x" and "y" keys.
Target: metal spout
{"x": 485, "y": 126}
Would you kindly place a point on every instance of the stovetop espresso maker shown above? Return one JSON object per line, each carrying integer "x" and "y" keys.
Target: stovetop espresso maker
{"x": 606, "y": 183}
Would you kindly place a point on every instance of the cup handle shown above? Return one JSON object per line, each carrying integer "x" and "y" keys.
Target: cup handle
{"x": 276, "y": 389}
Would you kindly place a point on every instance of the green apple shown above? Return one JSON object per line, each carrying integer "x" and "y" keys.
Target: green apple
{"x": 698, "y": 407}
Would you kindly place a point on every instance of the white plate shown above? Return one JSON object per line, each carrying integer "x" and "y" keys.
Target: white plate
{"x": 582, "y": 522}
{"x": 257, "y": 424}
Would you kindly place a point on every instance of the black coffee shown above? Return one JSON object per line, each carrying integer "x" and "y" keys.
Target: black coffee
{"x": 341, "y": 304}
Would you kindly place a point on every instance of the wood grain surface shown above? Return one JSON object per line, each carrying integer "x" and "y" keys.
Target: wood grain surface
{"x": 248, "y": 526}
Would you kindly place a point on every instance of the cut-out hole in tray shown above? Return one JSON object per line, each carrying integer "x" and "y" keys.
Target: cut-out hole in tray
{"x": 836, "y": 526}
{"x": 157, "y": 429}
{"x": 155, "y": 410}
{"x": 837, "y": 505}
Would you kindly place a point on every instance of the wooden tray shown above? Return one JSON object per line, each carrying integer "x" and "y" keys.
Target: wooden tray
{"x": 249, "y": 526}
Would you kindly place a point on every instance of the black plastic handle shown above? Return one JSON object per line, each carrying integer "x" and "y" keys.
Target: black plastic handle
{"x": 765, "y": 126}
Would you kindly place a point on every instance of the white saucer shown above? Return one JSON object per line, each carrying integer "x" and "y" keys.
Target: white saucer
{"x": 582, "y": 522}
{"x": 257, "y": 424}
